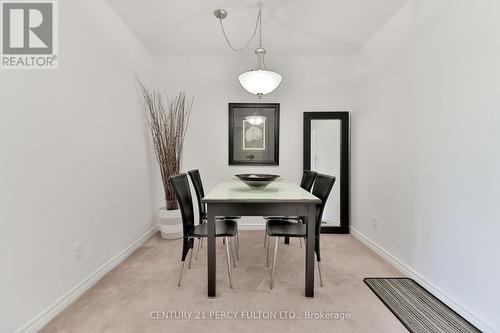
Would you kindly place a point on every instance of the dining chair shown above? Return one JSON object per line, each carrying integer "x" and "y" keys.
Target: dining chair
{"x": 202, "y": 209}
{"x": 226, "y": 229}
{"x": 306, "y": 183}
{"x": 277, "y": 228}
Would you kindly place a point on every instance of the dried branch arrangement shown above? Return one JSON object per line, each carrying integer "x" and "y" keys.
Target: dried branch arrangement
{"x": 168, "y": 119}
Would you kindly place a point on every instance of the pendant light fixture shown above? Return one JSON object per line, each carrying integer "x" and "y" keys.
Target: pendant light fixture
{"x": 260, "y": 81}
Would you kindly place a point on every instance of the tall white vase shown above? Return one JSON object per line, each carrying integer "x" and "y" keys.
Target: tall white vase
{"x": 170, "y": 222}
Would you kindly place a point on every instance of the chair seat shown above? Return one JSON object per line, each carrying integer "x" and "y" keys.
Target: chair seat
{"x": 284, "y": 228}
{"x": 223, "y": 228}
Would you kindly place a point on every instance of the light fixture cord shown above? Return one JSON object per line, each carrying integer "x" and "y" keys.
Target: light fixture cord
{"x": 258, "y": 24}
{"x": 261, "y": 64}
{"x": 259, "y": 18}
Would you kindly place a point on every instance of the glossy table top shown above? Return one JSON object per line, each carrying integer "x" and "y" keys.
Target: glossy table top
{"x": 278, "y": 191}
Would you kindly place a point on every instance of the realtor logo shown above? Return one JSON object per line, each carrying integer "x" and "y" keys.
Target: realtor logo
{"x": 28, "y": 34}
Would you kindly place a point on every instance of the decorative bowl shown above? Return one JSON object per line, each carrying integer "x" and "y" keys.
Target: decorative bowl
{"x": 257, "y": 180}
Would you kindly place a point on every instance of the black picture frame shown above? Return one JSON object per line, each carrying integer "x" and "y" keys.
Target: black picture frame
{"x": 343, "y": 116}
{"x": 272, "y": 131}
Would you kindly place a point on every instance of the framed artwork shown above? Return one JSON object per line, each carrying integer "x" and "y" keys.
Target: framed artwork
{"x": 254, "y": 133}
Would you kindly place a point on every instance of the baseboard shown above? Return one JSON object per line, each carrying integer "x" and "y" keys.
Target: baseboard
{"x": 42, "y": 318}
{"x": 410, "y": 272}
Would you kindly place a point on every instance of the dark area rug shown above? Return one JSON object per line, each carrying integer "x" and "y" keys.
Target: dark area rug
{"x": 416, "y": 308}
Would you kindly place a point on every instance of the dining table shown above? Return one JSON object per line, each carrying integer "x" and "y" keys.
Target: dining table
{"x": 280, "y": 198}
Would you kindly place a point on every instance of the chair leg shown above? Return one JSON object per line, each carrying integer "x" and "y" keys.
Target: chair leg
{"x": 268, "y": 252}
{"x": 300, "y": 239}
{"x": 181, "y": 270}
{"x": 200, "y": 241}
{"x": 190, "y": 257}
{"x": 320, "y": 274}
{"x": 265, "y": 238}
{"x": 237, "y": 246}
{"x": 232, "y": 248}
{"x": 276, "y": 242}
{"x": 228, "y": 264}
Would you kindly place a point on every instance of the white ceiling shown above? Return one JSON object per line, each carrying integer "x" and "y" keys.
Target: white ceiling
{"x": 290, "y": 27}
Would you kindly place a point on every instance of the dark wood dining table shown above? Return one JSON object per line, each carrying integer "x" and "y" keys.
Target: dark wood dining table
{"x": 280, "y": 198}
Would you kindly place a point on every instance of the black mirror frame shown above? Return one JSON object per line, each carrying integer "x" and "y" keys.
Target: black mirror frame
{"x": 343, "y": 116}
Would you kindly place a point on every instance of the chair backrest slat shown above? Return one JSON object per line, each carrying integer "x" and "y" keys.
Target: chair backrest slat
{"x": 322, "y": 188}
{"x": 183, "y": 193}
{"x": 308, "y": 178}
{"x": 198, "y": 189}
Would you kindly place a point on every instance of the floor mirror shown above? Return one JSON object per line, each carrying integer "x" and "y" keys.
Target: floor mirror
{"x": 326, "y": 150}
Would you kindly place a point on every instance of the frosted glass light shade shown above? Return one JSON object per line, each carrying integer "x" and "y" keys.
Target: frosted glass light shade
{"x": 260, "y": 82}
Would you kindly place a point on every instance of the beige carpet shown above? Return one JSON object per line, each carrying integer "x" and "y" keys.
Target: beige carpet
{"x": 145, "y": 282}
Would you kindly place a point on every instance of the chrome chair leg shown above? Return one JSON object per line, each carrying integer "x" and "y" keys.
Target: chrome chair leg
{"x": 265, "y": 238}
{"x": 181, "y": 270}
{"x": 276, "y": 242}
{"x": 201, "y": 243}
{"x": 228, "y": 264}
{"x": 190, "y": 257}
{"x": 300, "y": 239}
{"x": 232, "y": 247}
{"x": 237, "y": 246}
{"x": 200, "y": 240}
{"x": 268, "y": 252}
{"x": 320, "y": 274}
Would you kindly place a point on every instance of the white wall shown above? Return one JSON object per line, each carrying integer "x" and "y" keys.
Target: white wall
{"x": 309, "y": 84}
{"x": 75, "y": 161}
{"x": 425, "y": 153}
